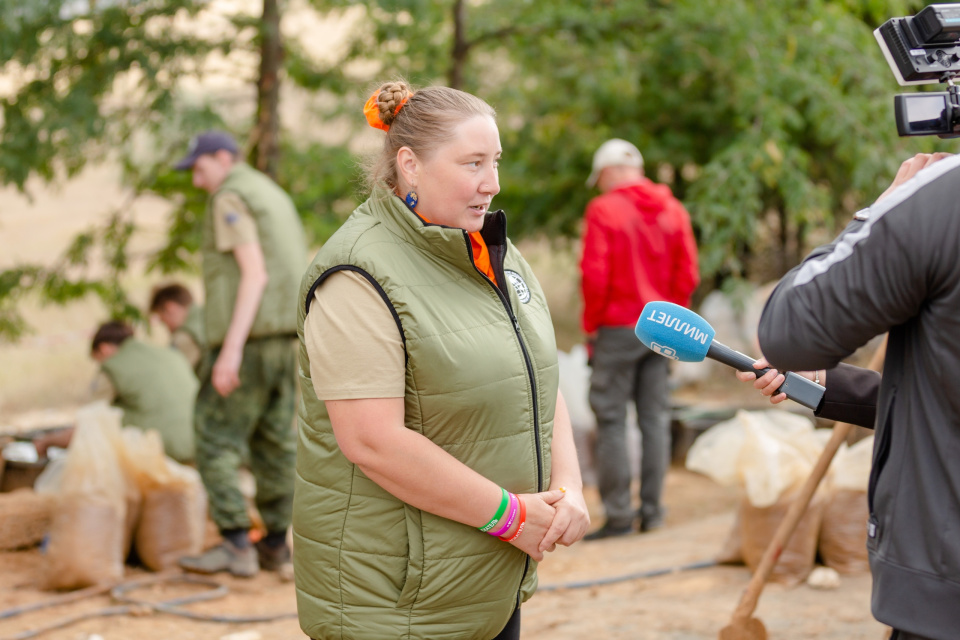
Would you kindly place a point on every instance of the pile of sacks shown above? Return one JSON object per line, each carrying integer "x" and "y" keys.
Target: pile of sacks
{"x": 116, "y": 489}
{"x": 770, "y": 454}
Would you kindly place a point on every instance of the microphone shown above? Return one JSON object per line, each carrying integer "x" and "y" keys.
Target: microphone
{"x": 677, "y": 333}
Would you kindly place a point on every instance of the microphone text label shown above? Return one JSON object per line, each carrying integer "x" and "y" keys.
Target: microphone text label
{"x": 671, "y": 322}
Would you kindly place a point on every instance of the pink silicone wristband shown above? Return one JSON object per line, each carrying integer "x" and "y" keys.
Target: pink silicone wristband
{"x": 514, "y": 507}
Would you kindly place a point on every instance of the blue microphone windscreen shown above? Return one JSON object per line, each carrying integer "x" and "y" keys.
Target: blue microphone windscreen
{"x": 674, "y": 331}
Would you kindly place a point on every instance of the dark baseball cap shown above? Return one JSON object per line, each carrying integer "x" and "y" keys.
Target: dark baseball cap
{"x": 204, "y": 143}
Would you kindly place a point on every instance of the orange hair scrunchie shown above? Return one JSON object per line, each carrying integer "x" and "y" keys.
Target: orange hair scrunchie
{"x": 372, "y": 111}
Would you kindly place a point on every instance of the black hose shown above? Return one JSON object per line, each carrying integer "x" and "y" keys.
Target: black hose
{"x": 134, "y": 606}
{"x": 173, "y": 606}
{"x": 82, "y": 594}
{"x": 66, "y": 622}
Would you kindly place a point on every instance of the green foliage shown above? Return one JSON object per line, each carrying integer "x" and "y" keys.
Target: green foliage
{"x": 73, "y": 277}
{"x": 747, "y": 108}
{"x": 752, "y": 106}
{"x": 68, "y": 107}
{"x": 92, "y": 80}
{"x": 323, "y": 182}
{"x": 183, "y": 235}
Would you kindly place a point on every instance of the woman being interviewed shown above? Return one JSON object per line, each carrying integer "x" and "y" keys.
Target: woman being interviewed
{"x": 436, "y": 462}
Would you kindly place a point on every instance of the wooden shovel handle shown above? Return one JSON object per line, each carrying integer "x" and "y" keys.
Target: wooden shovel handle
{"x": 750, "y": 597}
{"x": 748, "y": 602}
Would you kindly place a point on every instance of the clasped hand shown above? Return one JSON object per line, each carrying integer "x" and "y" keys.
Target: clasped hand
{"x": 553, "y": 517}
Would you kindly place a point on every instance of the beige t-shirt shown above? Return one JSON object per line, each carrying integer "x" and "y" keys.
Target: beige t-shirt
{"x": 353, "y": 341}
{"x": 233, "y": 224}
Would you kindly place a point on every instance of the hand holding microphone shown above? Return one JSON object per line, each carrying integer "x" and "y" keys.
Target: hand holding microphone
{"x": 680, "y": 334}
{"x": 769, "y": 383}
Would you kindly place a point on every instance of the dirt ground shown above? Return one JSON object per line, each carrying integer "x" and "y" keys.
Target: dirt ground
{"x": 686, "y": 605}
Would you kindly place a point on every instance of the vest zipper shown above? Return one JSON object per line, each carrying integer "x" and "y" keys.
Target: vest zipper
{"x": 523, "y": 348}
{"x": 530, "y": 374}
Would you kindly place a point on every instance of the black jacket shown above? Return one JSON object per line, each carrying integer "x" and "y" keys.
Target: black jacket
{"x": 896, "y": 269}
{"x": 850, "y": 396}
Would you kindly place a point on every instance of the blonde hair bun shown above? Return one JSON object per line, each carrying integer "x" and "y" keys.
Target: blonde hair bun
{"x": 430, "y": 119}
{"x": 390, "y": 96}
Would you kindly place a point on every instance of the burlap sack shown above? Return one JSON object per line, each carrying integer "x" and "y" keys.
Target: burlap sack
{"x": 172, "y": 521}
{"x": 173, "y": 513}
{"x": 86, "y": 543}
{"x": 757, "y": 526}
{"x": 843, "y": 531}
{"x": 25, "y": 518}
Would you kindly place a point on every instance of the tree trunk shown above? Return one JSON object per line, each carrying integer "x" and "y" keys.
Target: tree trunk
{"x": 266, "y": 149}
{"x": 799, "y": 249}
{"x": 458, "y": 56}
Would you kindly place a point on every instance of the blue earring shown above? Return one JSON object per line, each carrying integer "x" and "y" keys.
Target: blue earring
{"x": 412, "y": 199}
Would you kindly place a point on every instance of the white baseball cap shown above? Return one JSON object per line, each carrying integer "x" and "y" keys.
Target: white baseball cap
{"x": 614, "y": 153}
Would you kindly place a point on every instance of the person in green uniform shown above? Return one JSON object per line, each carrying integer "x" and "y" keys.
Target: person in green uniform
{"x": 175, "y": 308}
{"x": 436, "y": 462}
{"x": 154, "y": 386}
{"x": 254, "y": 253}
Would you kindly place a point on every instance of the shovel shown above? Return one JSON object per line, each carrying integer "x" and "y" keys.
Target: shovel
{"x": 743, "y": 626}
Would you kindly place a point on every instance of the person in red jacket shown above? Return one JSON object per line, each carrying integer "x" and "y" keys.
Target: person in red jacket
{"x": 637, "y": 247}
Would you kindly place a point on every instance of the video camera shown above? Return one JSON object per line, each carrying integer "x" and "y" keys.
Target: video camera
{"x": 925, "y": 49}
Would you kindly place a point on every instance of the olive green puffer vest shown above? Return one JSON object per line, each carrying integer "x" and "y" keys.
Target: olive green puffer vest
{"x": 156, "y": 389}
{"x": 481, "y": 382}
{"x": 284, "y": 253}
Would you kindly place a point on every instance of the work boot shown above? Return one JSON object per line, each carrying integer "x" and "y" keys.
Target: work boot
{"x": 650, "y": 523}
{"x": 651, "y": 519}
{"x": 272, "y": 557}
{"x": 276, "y": 558}
{"x": 240, "y": 562}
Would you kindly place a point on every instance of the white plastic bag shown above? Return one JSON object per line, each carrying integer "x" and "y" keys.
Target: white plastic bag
{"x": 766, "y": 452}
{"x": 851, "y": 468}
{"x": 575, "y": 387}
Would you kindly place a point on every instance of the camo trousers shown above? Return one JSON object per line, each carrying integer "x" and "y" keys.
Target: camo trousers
{"x": 255, "y": 420}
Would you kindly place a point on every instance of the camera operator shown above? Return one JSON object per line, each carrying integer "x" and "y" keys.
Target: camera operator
{"x": 895, "y": 269}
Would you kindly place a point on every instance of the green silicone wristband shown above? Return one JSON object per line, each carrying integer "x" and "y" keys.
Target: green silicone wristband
{"x": 504, "y": 502}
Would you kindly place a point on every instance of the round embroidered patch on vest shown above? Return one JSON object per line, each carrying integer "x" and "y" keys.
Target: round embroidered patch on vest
{"x": 523, "y": 291}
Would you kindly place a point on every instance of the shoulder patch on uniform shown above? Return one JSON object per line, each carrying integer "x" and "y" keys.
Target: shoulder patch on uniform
{"x": 519, "y": 285}
{"x": 231, "y": 217}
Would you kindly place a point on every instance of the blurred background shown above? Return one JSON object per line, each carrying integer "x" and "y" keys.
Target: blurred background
{"x": 771, "y": 121}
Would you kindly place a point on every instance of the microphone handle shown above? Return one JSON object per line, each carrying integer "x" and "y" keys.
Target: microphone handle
{"x": 797, "y": 388}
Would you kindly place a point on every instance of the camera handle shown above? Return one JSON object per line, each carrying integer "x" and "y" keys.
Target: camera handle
{"x": 952, "y": 88}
